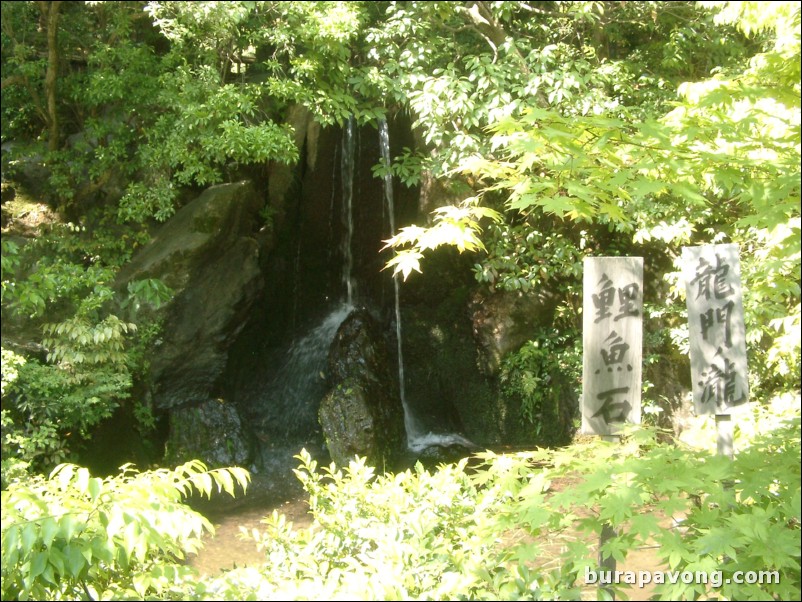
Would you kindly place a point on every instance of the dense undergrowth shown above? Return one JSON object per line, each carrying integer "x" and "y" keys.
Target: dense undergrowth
{"x": 519, "y": 526}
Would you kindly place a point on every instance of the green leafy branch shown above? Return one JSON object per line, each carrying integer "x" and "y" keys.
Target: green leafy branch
{"x": 72, "y": 535}
{"x": 455, "y": 225}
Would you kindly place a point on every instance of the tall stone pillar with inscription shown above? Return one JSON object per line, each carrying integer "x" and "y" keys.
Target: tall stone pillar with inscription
{"x": 612, "y": 343}
{"x": 716, "y": 334}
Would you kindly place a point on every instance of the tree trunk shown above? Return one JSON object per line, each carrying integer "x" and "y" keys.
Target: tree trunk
{"x": 50, "y": 14}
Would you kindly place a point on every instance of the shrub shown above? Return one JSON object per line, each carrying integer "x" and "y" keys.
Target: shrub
{"x": 526, "y": 526}
{"x": 72, "y": 536}
{"x": 518, "y": 526}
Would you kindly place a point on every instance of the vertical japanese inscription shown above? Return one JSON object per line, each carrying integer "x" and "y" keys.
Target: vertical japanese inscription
{"x": 712, "y": 275}
{"x": 612, "y": 343}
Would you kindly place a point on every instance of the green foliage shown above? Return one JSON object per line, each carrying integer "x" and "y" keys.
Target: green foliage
{"x": 72, "y": 536}
{"x": 526, "y": 525}
{"x": 206, "y": 127}
{"x": 149, "y": 291}
{"x": 526, "y": 374}
{"x": 10, "y": 263}
{"x": 519, "y": 526}
{"x": 406, "y": 536}
{"x": 458, "y": 226}
{"x": 105, "y": 90}
{"x": 66, "y": 266}
{"x": 77, "y": 341}
{"x": 584, "y": 128}
{"x": 463, "y": 68}
{"x": 722, "y": 165}
{"x": 565, "y": 140}
{"x": 150, "y": 117}
{"x": 50, "y": 407}
{"x": 725, "y": 512}
{"x": 533, "y": 255}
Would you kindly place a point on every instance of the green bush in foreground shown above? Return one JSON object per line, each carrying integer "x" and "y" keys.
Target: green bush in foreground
{"x": 700, "y": 512}
{"x": 76, "y": 537}
{"x": 521, "y": 526}
{"x": 526, "y": 526}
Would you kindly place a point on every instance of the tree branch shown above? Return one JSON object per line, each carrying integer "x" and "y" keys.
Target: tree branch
{"x": 533, "y": 9}
{"x": 12, "y": 80}
{"x": 483, "y": 21}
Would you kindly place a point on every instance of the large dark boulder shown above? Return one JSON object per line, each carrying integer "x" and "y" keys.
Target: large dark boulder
{"x": 208, "y": 254}
{"x": 212, "y": 432}
{"x": 503, "y": 321}
{"x": 362, "y": 413}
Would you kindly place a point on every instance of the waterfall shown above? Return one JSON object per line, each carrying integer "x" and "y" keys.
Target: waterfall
{"x": 347, "y": 174}
{"x": 413, "y": 431}
{"x": 299, "y": 383}
{"x": 417, "y": 439}
{"x": 292, "y": 396}
{"x": 289, "y": 400}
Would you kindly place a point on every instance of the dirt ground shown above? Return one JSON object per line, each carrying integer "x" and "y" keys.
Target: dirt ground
{"x": 228, "y": 548}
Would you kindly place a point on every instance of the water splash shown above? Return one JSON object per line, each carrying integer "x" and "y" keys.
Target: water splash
{"x": 421, "y": 442}
{"x": 300, "y": 382}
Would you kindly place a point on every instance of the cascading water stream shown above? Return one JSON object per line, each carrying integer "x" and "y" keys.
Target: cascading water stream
{"x": 417, "y": 439}
{"x": 347, "y": 175}
{"x": 298, "y": 384}
{"x": 413, "y": 432}
{"x": 292, "y": 395}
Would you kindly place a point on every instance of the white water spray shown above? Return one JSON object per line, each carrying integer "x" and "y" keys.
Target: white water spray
{"x": 299, "y": 382}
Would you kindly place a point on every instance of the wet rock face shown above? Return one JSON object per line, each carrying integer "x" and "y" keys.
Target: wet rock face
{"x": 359, "y": 350}
{"x": 504, "y": 321}
{"x": 362, "y": 412}
{"x": 208, "y": 254}
{"x": 212, "y": 432}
